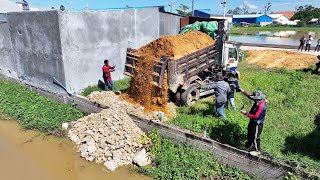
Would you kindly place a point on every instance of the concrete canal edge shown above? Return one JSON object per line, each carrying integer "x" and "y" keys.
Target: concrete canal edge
{"x": 226, "y": 154}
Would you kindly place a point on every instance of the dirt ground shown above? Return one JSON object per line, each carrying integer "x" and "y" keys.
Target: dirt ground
{"x": 174, "y": 47}
{"x": 280, "y": 59}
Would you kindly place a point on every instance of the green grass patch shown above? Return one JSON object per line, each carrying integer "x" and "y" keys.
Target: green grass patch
{"x": 119, "y": 85}
{"x": 242, "y": 30}
{"x": 292, "y": 126}
{"x": 184, "y": 162}
{"x": 33, "y": 111}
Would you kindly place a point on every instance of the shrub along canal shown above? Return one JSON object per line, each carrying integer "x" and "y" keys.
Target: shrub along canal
{"x": 28, "y": 154}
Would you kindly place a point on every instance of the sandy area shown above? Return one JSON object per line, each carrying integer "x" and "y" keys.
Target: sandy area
{"x": 280, "y": 58}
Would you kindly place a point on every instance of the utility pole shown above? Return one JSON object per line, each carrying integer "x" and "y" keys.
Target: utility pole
{"x": 192, "y": 7}
{"x": 224, "y": 3}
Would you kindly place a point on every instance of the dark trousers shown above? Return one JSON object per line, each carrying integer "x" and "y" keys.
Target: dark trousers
{"x": 253, "y": 136}
{"x": 301, "y": 46}
{"x": 308, "y": 47}
{"x": 317, "y": 48}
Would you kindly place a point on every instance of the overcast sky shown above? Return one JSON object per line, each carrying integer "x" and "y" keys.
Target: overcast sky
{"x": 215, "y": 5}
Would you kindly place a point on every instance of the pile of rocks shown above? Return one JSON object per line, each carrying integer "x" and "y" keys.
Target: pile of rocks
{"x": 111, "y": 137}
{"x": 109, "y": 99}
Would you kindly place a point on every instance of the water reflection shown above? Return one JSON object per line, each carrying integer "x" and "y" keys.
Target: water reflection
{"x": 276, "y": 37}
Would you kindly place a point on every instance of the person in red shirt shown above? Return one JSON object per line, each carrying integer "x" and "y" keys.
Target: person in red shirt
{"x": 106, "y": 70}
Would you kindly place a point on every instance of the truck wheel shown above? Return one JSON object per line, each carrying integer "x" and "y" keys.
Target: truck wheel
{"x": 190, "y": 96}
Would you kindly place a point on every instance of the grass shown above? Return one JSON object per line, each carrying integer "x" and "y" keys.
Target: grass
{"x": 183, "y": 162}
{"x": 242, "y": 30}
{"x": 119, "y": 85}
{"x": 33, "y": 111}
{"x": 292, "y": 126}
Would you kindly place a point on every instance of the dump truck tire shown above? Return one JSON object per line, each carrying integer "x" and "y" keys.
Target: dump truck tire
{"x": 190, "y": 96}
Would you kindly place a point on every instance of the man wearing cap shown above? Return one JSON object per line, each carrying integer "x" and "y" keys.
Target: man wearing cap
{"x": 221, "y": 89}
{"x": 234, "y": 86}
{"x": 257, "y": 116}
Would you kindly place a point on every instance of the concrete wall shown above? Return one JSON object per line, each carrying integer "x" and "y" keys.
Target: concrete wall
{"x": 7, "y": 61}
{"x": 169, "y": 24}
{"x": 37, "y": 47}
{"x": 89, "y": 37}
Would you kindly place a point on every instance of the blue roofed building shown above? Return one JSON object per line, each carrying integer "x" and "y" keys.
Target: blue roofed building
{"x": 207, "y": 13}
{"x": 252, "y": 19}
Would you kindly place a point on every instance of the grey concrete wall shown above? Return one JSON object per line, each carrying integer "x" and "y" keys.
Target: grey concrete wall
{"x": 89, "y": 37}
{"x": 7, "y": 61}
{"x": 169, "y": 24}
{"x": 37, "y": 47}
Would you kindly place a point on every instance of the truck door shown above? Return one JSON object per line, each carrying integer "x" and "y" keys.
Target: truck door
{"x": 231, "y": 56}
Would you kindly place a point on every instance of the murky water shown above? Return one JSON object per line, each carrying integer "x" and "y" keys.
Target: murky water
{"x": 276, "y": 37}
{"x": 30, "y": 155}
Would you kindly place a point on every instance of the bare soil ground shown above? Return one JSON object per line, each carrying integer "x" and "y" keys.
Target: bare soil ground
{"x": 280, "y": 59}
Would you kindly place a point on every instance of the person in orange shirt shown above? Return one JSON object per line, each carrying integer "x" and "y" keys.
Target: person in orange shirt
{"x": 106, "y": 70}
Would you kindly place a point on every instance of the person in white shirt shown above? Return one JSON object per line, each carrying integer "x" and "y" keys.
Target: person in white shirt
{"x": 318, "y": 46}
{"x": 308, "y": 44}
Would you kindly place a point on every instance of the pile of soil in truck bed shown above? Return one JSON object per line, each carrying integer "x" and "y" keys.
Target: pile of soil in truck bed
{"x": 174, "y": 47}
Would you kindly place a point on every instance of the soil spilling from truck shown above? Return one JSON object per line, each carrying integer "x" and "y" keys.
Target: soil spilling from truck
{"x": 141, "y": 90}
{"x": 280, "y": 59}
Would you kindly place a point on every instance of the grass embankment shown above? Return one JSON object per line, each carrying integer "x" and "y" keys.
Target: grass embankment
{"x": 183, "y": 162}
{"x": 119, "y": 85}
{"x": 242, "y": 30}
{"x": 292, "y": 126}
{"x": 33, "y": 111}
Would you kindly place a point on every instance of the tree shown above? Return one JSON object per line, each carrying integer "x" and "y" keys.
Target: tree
{"x": 236, "y": 11}
{"x": 184, "y": 10}
{"x": 62, "y": 8}
{"x": 306, "y": 13}
{"x": 267, "y": 7}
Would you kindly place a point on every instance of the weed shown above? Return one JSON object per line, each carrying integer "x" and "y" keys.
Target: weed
{"x": 33, "y": 111}
{"x": 119, "y": 85}
{"x": 183, "y": 162}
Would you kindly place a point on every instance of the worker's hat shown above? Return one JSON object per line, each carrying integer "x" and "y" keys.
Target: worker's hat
{"x": 257, "y": 95}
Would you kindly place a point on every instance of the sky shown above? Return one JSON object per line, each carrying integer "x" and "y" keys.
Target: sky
{"x": 214, "y": 5}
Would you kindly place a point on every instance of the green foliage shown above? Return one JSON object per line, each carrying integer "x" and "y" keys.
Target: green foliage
{"x": 252, "y": 29}
{"x": 291, "y": 129}
{"x": 119, "y": 85}
{"x": 183, "y": 162}
{"x": 306, "y": 13}
{"x": 33, "y": 111}
{"x": 184, "y": 10}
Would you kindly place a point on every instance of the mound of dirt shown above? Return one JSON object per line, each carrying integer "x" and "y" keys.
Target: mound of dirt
{"x": 280, "y": 59}
{"x": 174, "y": 47}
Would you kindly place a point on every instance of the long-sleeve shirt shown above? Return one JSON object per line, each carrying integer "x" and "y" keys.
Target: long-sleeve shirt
{"x": 221, "y": 89}
{"x": 233, "y": 86}
{"x": 258, "y": 111}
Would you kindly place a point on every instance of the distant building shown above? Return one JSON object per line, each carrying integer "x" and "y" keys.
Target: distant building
{"x": 288, "y": 14}
{"x": 261, "y": 19}
{"x": 314, "y": 21}
{"x": 279, "y": 18}
{"x": 207, "y": 13}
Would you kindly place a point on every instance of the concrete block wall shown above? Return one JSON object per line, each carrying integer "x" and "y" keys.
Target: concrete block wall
{"x": 36, "y": 42}
{"x": 169, "y": 24}
{"x": 7, "y": 60}
{"x": 89, "y": 37}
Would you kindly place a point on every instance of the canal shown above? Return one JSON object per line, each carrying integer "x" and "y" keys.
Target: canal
{"x": 30, "y": 155}
{"x": 276, "y": 37}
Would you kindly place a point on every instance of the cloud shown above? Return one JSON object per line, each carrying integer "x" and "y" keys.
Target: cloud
{"x": 249, "y": 5}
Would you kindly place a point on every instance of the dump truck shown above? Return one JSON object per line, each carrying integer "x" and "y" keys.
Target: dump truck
{"x": 186, "y": 74}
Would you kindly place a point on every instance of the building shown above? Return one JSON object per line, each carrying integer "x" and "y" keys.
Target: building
{"x": 288, "y": 14}
{"x": 261, "y": 19}
{"x": 279, "y": 19}
{"x": 207, "y": 13}
{"x": 314, "y": 21}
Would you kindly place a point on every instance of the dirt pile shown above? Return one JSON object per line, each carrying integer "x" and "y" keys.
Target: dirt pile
{"x": 280, "y": 59}
{"x": 174, "y": 47}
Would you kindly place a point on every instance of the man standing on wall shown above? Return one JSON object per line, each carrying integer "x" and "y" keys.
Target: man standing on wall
{"x": 106, "y": 70}
{"x": 302, "y": 42}
{"x": 221, "y": 89}
{"x": 257, "y": 115}
{"x": 308, "y": 43}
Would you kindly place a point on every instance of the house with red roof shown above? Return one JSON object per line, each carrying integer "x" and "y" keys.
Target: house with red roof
{"x": 288, "y": 14}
